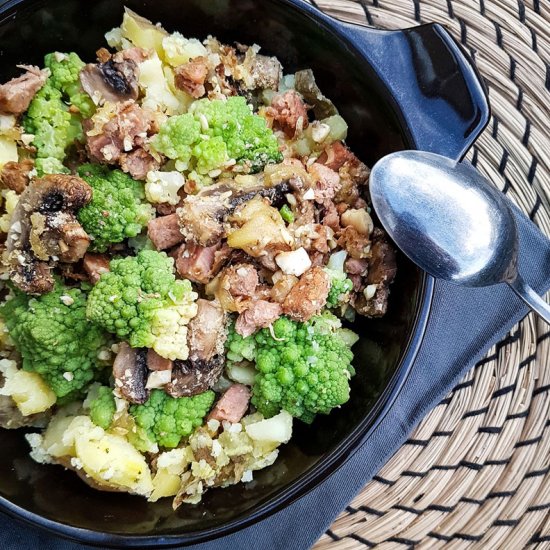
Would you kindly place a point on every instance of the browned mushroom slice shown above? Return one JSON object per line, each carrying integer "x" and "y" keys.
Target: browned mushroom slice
{"x": 206, "y": 331}
{"x": 202, "y": 215}
{"x": 111, "y": 81}
{"x": 194, "y": 377}
{"x": 130, "y": 372}
{"x": 373, "y": 300}
{"x": 44, "y": 230}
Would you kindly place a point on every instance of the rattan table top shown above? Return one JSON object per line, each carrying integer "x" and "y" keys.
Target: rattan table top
{"x": 476, "y": 471}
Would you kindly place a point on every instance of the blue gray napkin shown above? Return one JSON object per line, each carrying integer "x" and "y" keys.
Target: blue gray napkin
{"x": 463, "y": 324}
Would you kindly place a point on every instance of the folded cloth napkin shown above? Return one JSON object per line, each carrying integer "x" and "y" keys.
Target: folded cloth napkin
{"x": 463, "y": 324}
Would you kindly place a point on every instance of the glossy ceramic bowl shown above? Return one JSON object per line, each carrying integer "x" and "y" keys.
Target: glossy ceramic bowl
{"x": 402, "y": 89}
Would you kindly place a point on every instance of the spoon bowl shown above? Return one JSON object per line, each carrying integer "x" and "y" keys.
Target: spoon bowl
{"x": 449, "y": 220}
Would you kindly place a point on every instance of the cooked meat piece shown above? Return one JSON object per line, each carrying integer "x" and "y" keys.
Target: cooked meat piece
{"x": 138, "y": 162}
{"x": 358, "y": 282}
{"x": 44, "y": 228}
{"x": 190, "y": 76}
{"x": 375, "y": 306}
{"x": 110, "y": 81}
{"x": 382, "y": 263}
{"x": 289, "y": 113}
{"x": 240, "y": 280}
{"x": 157, "y": 363}
{"x": 202, "y": 215}
{"x": 354, "y": 176}
{"x": 326, "y": 182}
{"x": 206, "y": 331}
{"x": 16, "y": 94}
{"x": 165, "y": 232}
{"x": 304, "y": 82}
{"x": 354, "y": 266}
{"x": 331, "y": 216}
{"x": 107, "y": 142}
{"x": 308, "y": 296}
{"x": 259, "y": 314}
{"x": 335, "y": 155}
{"x": 232, "y": 405}
{"x": 165, "y": 208}
{"x": 237, "y": 286}
{"x": 304, "y": 212}
{"x": 356, "y": 244}
{"x": 135, "y": 54}
{"x": 194, "y": 377}
{"x": 15, "y": 175}
{"x": 201, "y": 264}
{"x": 258, "y": 72}
{"x": 320, "y": 242}
{"x": 95, "y": 265}
{"x": 130, "y": 373}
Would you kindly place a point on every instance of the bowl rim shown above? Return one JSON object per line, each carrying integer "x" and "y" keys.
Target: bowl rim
{"x": 318, "y": 472}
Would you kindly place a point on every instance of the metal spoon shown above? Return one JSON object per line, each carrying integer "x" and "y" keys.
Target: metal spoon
{"x": 450, "y": 221}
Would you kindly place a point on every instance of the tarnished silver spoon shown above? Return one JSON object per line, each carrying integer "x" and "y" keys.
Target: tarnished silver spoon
{"x": 450, "y": 221}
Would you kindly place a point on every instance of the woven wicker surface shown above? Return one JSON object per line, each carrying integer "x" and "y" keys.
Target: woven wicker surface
{"x": 476, "y": 472}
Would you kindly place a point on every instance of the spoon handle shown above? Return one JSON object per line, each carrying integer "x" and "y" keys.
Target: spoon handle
{"x": 530, "y": 297}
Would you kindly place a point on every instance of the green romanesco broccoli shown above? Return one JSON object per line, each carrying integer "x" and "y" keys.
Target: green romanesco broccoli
{"x": 167, "y": 419}
{"x": 118, "y": 209}
{"x": 102, "y": 407}
{"x": 55, "y": 339}
{"x": 340, "y": 284}
{"x": 141, "y": 301}
{"x": 49, "y": 118}
{"x": 65, "y": 77}
{"x": 232, "y": 132}
{"x": 303, "y": 368}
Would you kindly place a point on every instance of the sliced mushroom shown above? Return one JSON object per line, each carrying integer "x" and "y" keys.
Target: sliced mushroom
{"x": 202, "y": 215}
{"x": 206, "y": 338}
{"x": 111, "y": 81}
{"x": 44, "y": 230}
{"x": 130, "y": 372}
{"x": 194, "y": 377}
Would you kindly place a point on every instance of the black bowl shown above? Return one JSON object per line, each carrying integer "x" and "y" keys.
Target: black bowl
{"x": 401, "y": 89}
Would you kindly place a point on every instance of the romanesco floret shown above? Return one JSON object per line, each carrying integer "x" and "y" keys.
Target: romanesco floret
{"x": 48, "y": 117}
{"x": 65, "y": 77}
{"x": 232, "y": 132}
{"x": 50, "y": 165}
{"x": 118, "y": 209}
{"x": 55, "y": 339}
{"x": 167, "y": 419}
{"x": 239, "y": 348}
{"x": 340, "y": 284}
{"x": 102, "y": 407}
{"x": 303, "y": 368}
{"x": 141, "y": 301}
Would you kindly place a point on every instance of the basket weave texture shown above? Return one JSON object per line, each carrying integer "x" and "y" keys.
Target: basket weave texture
{"x": 476, "y": 471}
